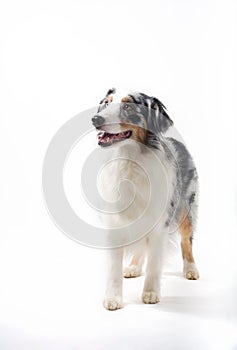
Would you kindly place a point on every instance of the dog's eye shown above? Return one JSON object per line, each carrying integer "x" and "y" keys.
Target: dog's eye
{"x": 126, "y": 106}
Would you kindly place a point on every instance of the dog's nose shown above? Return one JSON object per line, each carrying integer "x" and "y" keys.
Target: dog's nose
{"x": 97, "y": 120}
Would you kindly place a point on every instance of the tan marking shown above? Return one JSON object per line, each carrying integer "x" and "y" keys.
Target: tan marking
{"x": 135, "y": 260}
{"x": 138, "y": 134}
{"x": 109, "y": 99}
{"x": 126, "y": 99}
{"x": 185, "y": 229}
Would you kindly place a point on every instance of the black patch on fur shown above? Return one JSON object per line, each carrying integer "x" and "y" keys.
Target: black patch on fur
{"x": 192, "y": 198}
{"x": 133, "y": 98}
{"x": 164, "y": 120}
{"x": 156, "y": 125}
{"x": 110, "y": 92}
{"x": 134, "y": 118}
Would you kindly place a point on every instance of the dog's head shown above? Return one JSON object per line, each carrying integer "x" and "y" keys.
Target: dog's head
{"x": 135, "y": 117}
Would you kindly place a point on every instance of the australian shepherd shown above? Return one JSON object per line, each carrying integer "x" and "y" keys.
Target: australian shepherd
{"x": 134, "y": 130}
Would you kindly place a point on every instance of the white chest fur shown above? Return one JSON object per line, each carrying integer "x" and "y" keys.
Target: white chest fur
{"x": 136, "y": 181}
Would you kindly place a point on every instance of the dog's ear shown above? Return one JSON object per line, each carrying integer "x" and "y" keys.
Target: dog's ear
{"x": 107, "y": 99}
{"x": 162, "y": 119}
{"x": 108, "y": 95}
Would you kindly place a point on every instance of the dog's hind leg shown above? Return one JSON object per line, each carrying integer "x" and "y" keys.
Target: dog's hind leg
{"x": 134, "y": 269}
{"x": 190, "y": 270}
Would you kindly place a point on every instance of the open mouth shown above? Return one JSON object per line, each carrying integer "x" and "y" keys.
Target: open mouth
{"x": 107, "y": 139}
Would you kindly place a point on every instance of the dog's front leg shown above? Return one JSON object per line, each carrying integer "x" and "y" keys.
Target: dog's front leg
{"x": 156, "y": 246}
{"x": 113, "y": 296}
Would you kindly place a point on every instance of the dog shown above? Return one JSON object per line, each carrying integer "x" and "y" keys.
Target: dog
{"x": 134, "y": 130}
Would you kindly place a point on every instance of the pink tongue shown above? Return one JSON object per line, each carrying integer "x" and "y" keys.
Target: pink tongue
{"x": 115, "y": 136}
{"x": 109, "y": 137}
{"x": 106, "y": 137}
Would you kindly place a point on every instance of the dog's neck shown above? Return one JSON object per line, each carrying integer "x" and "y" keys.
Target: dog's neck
{"x": 127, "y": 149}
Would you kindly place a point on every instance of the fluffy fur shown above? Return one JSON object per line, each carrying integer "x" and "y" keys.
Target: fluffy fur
{"x": 130, "y": 128}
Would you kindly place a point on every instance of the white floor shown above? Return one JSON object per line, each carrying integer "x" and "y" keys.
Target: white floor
{"x": 50, "y": 298}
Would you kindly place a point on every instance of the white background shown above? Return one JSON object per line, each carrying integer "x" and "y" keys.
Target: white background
{"x": 58, "y": 58}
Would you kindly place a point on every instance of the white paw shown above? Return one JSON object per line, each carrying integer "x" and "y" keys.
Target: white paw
{"x": 150, "y": 297}
{"x": 113, "y": 303}
{"x": 190, "y": 271}
{"x": 132, "y": 271}
{"x": 191, "y": 275}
